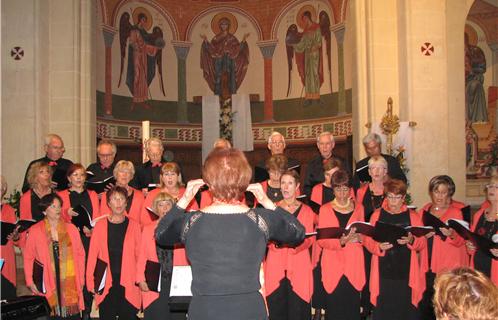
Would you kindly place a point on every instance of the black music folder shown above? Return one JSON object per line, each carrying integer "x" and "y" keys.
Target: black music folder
{"x": 100, "y": 185}
{"x": 153, "y": 275}
{"x": 99, "y": 276}
{"x": 7, "y": 228}
{"x": 38, "y": 276}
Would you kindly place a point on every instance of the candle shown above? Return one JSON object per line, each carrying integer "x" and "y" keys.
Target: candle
{"x": 145, "y": 137}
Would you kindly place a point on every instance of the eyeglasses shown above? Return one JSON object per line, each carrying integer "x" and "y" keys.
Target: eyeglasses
{"x": 492, "y": 186}
{"x": 440, "y": 193}
{"x": 391, "y": 196}
{"x": 341, "y": 189}
{"x": 277, "y": 142}
{"x": 54, "y": 206}
{"x": 107, "y": 155}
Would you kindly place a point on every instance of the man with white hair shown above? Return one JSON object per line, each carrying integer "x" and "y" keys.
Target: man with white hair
{"x": 373, "y": 144}
{"x": 54, "y": 150}
{"x": 314, "y": 171}
{"x": 276, "y": 145}
{"x": 148, "y": 173}
{"x": 104, "y": 167}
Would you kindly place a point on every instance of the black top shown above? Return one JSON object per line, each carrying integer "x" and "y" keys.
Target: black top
{"x": 146, "y": 174}
{"x": 36, "y": 212}
{"x": 327, "y": 194}
{"x": 100, "y": 173}
{"x": 226, "y": 250}
{"x": 83, "y": 199}
{"x": 115, "y": 239}
{"x": 482, "y": 260}
{"x": 261, "y": 174}
{"x": 59, "y": 172}
{"x": 371, "y": 202}
{"x": 396, "y": 262}
{"x": 314, "y": 173}
{"x": 275, "y": 194}
{"x": 393, "y": 169}
{"x": 343, "y": 218}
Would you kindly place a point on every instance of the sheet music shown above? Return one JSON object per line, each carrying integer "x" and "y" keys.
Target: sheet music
{"x": 181, "y": 281}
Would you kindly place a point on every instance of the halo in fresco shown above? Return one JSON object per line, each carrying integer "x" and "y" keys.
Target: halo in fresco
{"x": 299, "y": 17}
{"x": 139, "y": 10}
{"x": 215, "y": 23}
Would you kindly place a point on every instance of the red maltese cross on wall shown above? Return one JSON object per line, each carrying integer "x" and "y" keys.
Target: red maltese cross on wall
{"x": 427, "y": 49}
{"x": 17, "y": 53}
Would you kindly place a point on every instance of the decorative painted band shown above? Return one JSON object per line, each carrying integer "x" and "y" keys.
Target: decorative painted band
{"x": 302, "y": 131}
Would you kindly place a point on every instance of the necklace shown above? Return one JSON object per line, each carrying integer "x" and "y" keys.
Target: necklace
{"x": 291, "y": 206}
{"x": 341, "y": 206}
{"x": 221, "y": 201}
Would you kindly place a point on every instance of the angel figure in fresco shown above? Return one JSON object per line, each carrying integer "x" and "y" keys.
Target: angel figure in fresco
{"x": 144, "y": 53}
{"x": 306, "y": 46}
{"x": 224, "y": 60}
{"x": 475, "y": 97}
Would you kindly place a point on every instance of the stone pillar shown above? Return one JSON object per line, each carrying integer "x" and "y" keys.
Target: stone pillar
{"x": 108, "y": 33}
{"x": 338, "y": 31}
{"x": 494, "y": 63}
{"x": 267, "y": 49}
{"x": 182, "y": 49}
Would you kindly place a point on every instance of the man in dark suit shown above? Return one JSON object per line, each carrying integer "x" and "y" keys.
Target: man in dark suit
{"x": 276, "y": 145}
{"x": 148, "y": 173}
{"x": 372, "y": 144}
{"x": 54, "y": 150}
{"x": 104, "y": 167}
{"x": 314, "y": 171}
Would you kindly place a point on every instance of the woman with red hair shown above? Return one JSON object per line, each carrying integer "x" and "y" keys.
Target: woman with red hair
{"x": 226, "y": 241}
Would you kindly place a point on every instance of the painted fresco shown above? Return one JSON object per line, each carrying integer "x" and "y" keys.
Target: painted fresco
{"x": 480, "y": 97}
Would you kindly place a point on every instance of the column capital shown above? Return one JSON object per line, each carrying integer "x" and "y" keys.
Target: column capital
{"x": 108, "y": 33}
{"x": 267, "y": 47}
{"x": 338, "y": 30}
{"x": 182, "y": 48}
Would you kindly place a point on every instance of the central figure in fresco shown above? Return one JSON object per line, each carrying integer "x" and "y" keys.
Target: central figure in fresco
{"x": 224, "y": 60}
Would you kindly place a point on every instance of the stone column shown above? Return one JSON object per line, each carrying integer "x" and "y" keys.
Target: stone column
{"x": 494, "y": 63}
{"x": 267, "y": 49}
{"x": 182, "y": 49}
{"x": 338, "y": 31}
{"x": 108, "y": 33}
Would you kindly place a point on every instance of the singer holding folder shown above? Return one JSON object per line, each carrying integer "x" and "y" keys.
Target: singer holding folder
{"x": 115, "y": 242}
{"x": 155, "y": 304}
{"x": 288, "y": 271}
{"x": 226, "y": 241}
{"x": 56, "y": 246}
{"x": 78, "y": 196}
{"x": 397, "y": 280}
{"x": 445, "y": 249}
{"x": 342, "y": 263}
{"x": 485, "y": 223}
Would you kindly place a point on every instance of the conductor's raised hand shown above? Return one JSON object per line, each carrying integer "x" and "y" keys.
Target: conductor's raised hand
{"x": 257, "y": 190}
{"x": 191, "y": 190}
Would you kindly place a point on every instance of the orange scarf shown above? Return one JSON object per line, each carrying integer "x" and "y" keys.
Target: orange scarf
{"x": 69, "y": 292}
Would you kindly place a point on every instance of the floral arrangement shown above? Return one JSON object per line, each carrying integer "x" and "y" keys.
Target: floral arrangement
{"x": 14, "y": 199}
{"x": 226, "y": 119}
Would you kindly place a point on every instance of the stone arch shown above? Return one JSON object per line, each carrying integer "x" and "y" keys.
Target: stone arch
{"x": 103, "y": 10}
{"x": 291, "y": 5}
{"x": 166, "y": 15}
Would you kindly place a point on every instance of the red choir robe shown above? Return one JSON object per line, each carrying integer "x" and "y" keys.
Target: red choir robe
{"x": 295, "y": 262}
{"x": 135, "y": 209}
{"x": 446, "y": 254}
{"x": 38, "y": 246}
{"x": 494, "y": 262}
{"x": 340, "y": 261}
{"x": 7, "y": 252}
{"x": 66, "y": 204}
{"x": 131, "y": 251}
{"x": 416, "y": 279}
